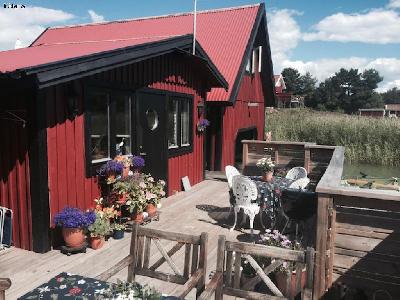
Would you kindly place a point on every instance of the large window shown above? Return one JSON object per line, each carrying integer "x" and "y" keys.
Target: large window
{"x": 180, "y": 125}
{"x": 108, "y": 125}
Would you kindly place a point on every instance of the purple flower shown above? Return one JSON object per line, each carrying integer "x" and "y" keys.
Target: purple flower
{"x": 72, "y": 217}
{"x": 138, "y": 162}
{"x": 110, "y": 167}
{"x": 204, "y": 123}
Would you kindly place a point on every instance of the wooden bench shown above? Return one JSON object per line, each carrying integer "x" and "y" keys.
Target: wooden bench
{"x": 195, "y": 259}
{"x": 228, "y": 273}
{"x": 5, "y": 284}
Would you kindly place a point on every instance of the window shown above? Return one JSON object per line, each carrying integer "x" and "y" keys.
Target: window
{"x": 180, "y": 125}
{"x": 99, "y": 127}
{"x": 123, "y": 124}
{"x": 108, "y": 126}
{"x": 185, "y": 123}
{"x": 173, "y": 124}
{"x": 255, "y": 61}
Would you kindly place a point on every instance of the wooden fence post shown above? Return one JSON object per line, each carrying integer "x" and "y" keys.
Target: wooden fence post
{"x": 245, "y": 155}
{"x": 307, "y": 158}
{"x": 320, "y": 275}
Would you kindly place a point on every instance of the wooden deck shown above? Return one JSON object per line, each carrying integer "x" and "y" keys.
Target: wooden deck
{"x": 205, "y": 208}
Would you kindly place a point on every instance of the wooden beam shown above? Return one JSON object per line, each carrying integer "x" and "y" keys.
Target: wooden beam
{"x": 39, "y": 185}
{"x": 167, "y": 258}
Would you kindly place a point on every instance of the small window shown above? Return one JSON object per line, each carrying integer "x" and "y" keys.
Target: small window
{"x": 123, "y": 124}
{"x": 180, "y": 125}
{"x": 173, "y": 124}
{"x": 99, "y": 127}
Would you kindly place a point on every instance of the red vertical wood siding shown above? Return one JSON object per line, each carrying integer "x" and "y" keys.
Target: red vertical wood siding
{"x": 243, "y": 116}
{"x": 14, "y": 173}
{"x": 68, "y": 184}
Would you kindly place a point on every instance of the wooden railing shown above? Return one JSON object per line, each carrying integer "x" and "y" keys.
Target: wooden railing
{"x": 314, "y": 158}
{"x": 357, "y": 230}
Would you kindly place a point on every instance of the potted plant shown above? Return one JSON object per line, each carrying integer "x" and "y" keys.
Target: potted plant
{"x": 111, "y": 170}
{"x": 126, "y": 160}
{"x": 136, "y": 198}
{"x": 276, "y": 239}
{"x": 202, "y": 125}
{"x": 118, "y": 231}
{"x": 98, "y": 230}
{"x": 73, "y": 222}
{"x": 121, "y": 189}
{"x": 138, "y": 163}
{"x": 267, "y": 167}
{"x": 154, "y": 193}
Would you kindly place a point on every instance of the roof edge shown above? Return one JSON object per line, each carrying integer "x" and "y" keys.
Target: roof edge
{"x": 159, "y": 16}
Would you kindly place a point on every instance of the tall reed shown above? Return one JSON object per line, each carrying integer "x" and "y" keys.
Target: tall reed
{"x": 367, "y": 140}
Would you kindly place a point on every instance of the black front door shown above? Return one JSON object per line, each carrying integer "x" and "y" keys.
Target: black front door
{"x": 152, "y": 134}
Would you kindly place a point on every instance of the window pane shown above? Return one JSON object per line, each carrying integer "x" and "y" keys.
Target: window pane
{"x": 99, "y": 124}
{"x": 185, "y": 123}
{"x": 173, "y": 124}
{"x": 123, "y": 124}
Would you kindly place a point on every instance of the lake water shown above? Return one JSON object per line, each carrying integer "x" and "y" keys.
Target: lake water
{"x": 353, "y": 170}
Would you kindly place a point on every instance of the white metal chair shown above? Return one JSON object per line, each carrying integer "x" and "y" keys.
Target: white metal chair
{"x": 245, "y": 192}
{"x": 300, "y": 184}
{"x": 296, "y": 173}
{"x": 231, "y": 171}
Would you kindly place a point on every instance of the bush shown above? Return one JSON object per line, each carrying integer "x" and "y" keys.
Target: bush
{"x": 367, "y": 140}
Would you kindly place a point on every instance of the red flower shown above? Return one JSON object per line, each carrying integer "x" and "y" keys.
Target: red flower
{"x": 75, "y": 291}
{"x": 60, "y": 279}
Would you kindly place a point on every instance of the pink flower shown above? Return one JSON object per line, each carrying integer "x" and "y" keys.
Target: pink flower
{"x": 149, "y": 196}
{"x": 74, "y": 291}
{"x": 60, "y": 279}
{"x": 162, "y": 193}
{"x": 151, "y": 179}
{"x": 142, "y": 185}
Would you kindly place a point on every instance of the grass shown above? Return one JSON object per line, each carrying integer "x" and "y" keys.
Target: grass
{"x": 367, "y": 140}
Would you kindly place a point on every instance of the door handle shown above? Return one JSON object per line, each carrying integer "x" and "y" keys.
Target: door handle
{"x": 143, "y": 153}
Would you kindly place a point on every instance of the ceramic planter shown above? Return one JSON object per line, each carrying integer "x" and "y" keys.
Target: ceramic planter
{"x": 267, "y": 176}
{"x": 118, "y": 234}
{"x": 138, "y": 218}
{"x": 73, "y": 237}
{"x": 97, "y": 242}
{"x": 151, "y": 209}
{"x": 125, "y": 171}
{"x": 281, "y": 279}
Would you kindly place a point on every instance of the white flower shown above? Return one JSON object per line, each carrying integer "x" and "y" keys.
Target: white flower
{"x": 44, "y": 289}
{"x": 102, "y": 291}
{"x": 63, "y": 286}
{"x": 81, "y": 281}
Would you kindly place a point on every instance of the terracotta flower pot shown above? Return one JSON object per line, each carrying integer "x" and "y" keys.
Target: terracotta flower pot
{"x": 97, "y": 242}
{"x": 151, "y": 209}
{"x": 267, "y": 176}
{"x": 138, "y": 218}
{"x": 125, "y": 171}
{"x": 73, "y": 237}
{"x": 281, "y": 279}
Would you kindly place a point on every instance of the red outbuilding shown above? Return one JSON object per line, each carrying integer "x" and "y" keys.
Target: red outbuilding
{"x": 81, "y": 93}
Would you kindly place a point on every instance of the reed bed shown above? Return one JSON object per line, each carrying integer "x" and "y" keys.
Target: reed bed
{"x": 367, "y": 140}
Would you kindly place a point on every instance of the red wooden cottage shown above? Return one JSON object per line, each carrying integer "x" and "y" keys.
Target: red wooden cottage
{"x": 79, "y": 92}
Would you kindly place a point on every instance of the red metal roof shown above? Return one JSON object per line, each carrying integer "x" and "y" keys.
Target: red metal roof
{"x": 223, "y": 33}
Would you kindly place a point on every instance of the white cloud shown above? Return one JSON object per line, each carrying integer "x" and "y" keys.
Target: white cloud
{"x": 394, "y": 4}
{"x": 377, "y": 26}
{"x": 26, "y": 24}
{"x": 95, "y": 17}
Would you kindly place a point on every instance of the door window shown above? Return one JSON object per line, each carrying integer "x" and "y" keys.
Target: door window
{"x": 123, "y": 124}
{"x": 173, "y": 123}
{"x": 152, "y": 119}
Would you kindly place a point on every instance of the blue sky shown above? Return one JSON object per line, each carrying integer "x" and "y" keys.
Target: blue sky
{"x": 315, "y": 36}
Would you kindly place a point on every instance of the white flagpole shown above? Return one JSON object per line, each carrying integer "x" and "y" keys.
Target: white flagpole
{"x": 194, "y": 26}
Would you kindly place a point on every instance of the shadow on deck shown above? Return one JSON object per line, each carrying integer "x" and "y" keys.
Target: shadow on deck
{"x": 205, "y": 208}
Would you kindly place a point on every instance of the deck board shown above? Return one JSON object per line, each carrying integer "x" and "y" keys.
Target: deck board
{"x": 204, "y": 208}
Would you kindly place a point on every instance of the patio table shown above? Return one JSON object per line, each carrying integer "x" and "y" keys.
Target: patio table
{"x": 269, "y": 194}
{"x": 66, "y": 286}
